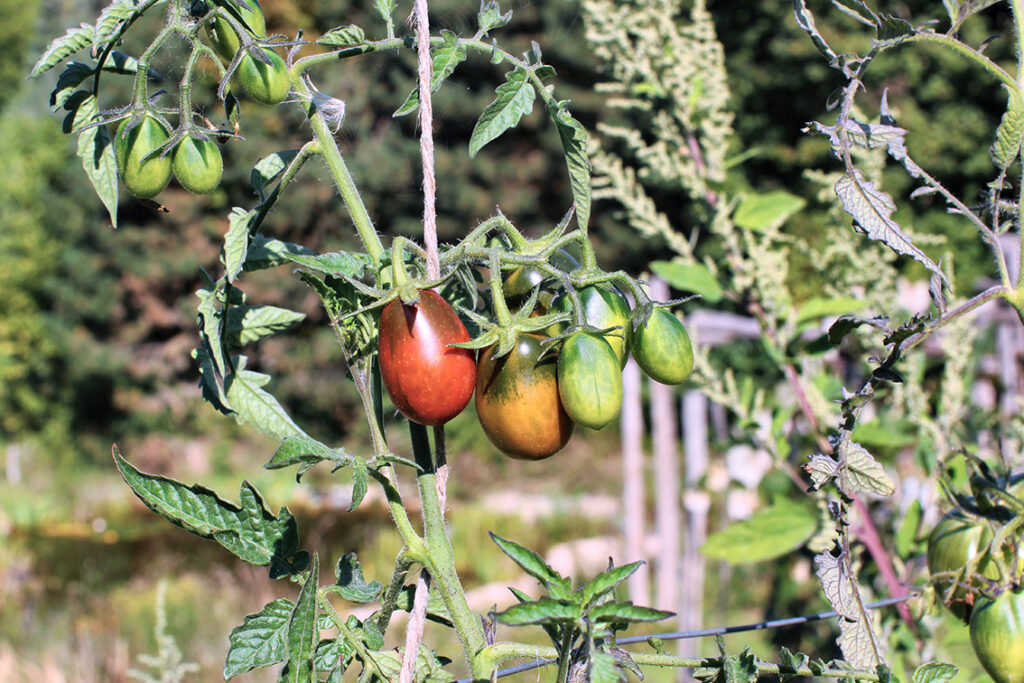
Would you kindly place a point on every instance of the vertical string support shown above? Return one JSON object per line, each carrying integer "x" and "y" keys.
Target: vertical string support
{"x": 427, "y": 138}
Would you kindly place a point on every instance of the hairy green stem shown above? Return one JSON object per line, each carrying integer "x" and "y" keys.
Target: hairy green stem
{"x": 440, "y": 560}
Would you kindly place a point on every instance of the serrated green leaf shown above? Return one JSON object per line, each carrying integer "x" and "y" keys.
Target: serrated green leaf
{"x": 445, "y": 57}
{"x": 872, "y": 212}
{"x": 96, "y": 151}
{"x": 1010, "y": 133}
{"x": 247, "y": 324}
{"x": 250, "y": 531}
{"x": 514, "y": 99}
{"x": 603, "y": 668}
{"x": 303, "y": 632}
{"x": 574, "y": 145}
{"x": 542, "y": 611}
{"x": 343, "y": 36}
{"x": 768, "y": 210}
{"x": 805, "y": 20}
{"x": 267, "y": 252}
{"x": 113, "y": 15}
{"x": 350, "y": 582}
{"x": 790, "y": 664}
{"x": 236, "y": 242}
{"x": 270, "y": 167}
{"x": 428, "y": 668}
{"x": 260, "y": 640}
{"x": 625, "y": 612}
{"x": 770, "y": 532}
{"x": 120, "y": 63}
{"x": 333, "y": 656}
{"x": 67, "y": 83}
{"x": 935, "y": 672}
{"x": 490, "y": 17}
{"x": 741, "y": 668}
{"x": 302, "y": 449}
{"x": 857, "y": 640}
{"x": 689, "y": 277}
{"x": 255, "y": 406}
{"x": 63, "y": 47}
{"x": 606, "y": 581}
{"x": 336, "y": 263}
{"x": 864, "y": 474}
{"x": 532, "y": 563}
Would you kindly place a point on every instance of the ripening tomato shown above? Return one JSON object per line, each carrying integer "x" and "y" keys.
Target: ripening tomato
{"x": 589, "y": 379}
{"x": 954, "y": 542}
{"x": 198, "y": 165}
{"x": 603, "y": 307}
{"x": 265, "y": 83}
{"x": 997, "y": 635}
{"x": 662, "y": 348}
{"x": 145, "y": 178}
{"x": 224, "y": 38}
{"x": 517, "y": 401}
{"x": 428, "y": 381}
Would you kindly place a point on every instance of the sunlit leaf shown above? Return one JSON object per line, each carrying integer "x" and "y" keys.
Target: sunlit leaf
{"x": 513, "y": 101}
{"x": 772, "y": 531}
{"x": 260, "y": 640}
{"x": 63, "y": 47}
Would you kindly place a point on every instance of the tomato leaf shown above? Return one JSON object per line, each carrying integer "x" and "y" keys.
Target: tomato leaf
{"x": 534, "y": 565}
{"x": 490, "y": 17}
{"x": 872, "y": 211}
{"x": 935, "y": 672}
{"x": 343, "y": 36}
{"x": 857, "y": 640}
{"x": 771, "y": 532}
{"x": 514, "y": 100}
{"x": 574, "y": 145}
{"x": 63, "y": 47}
{"x": 254, "y": 405}
{"x": 67, "y": 83}
{"x": 332, "y": 656}
{"x": 267, "y": 252}
{"x": 96, "y": 150}
{"x": 543, "y": 611}
{"x": 625, "y": 612}
{"x": 303, "y": 631}
{"x": 865, "y": 474}
{"x": 607, "y": 581}
{"x": 337, "y": 263}
{"x": 1006, "y": 147}
{"x": 249, "y": 530}
{"x": 112, "y": 17}
{"x": 247, "y": 324}
{"x": 603, "y": 668}
{"x": 790, "y": 664}
{"x": 236, "y": 242}
{"x": 270, "y": 167}
{"x": 260, "y": 640}
{"x": 351, "y": 585}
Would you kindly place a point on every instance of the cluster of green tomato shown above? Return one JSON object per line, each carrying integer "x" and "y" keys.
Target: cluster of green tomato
{"x": 996, "y": 619}
{"x": 146, "y": 170}
{"x": 529, "y": 400}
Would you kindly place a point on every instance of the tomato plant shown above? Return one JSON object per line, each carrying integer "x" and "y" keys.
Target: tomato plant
{"x": 144, "y": 178}
{"x": 589, "y": 380}
{"x": 603, "y": 307}
{"x": 997, "y": 635}
{"x": 223, "y": 36}
{"x": 428, "y": 381}
{"x": 662, "y": 348}
{"x": 198, "y": 165}
{"x": 265, "y": 83}
{"x": 517, "y": 401}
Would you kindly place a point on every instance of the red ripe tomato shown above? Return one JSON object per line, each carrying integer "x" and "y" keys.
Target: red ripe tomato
{"x": 428, "y": 381}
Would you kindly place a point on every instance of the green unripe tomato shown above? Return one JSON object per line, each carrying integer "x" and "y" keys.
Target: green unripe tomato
{"x": 603, "y": 307}
{"x": 589, "y": 379}
{"x": 224, "y": 38}
{"x": 520, "y": 282}
{"x": 997, "y": 636}
{"x": 265, "y": 83}
{"x": 197, "y": 164}
{"x": 662, "y": 348}
{"x": 143, "y": 178}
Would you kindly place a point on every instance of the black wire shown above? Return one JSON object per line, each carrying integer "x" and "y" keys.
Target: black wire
{"x": 722, "y": 630}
